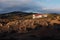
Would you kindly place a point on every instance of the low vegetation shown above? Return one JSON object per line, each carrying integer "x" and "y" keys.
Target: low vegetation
{"x": 25, "y": 23}
{"x": 21, "y": 25}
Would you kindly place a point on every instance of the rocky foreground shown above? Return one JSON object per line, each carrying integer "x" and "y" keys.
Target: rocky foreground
{"x": 21, "y": 26}
{"x": 27, "y": 25}
{"x": 30, "y": 29}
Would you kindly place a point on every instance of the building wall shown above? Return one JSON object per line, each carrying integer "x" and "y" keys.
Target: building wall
{"x": 33, "y": 16}
{"x": 45, "y": 15}
{"x": 39, "y": 16}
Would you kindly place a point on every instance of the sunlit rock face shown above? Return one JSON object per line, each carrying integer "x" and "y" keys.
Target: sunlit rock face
{"x": 19, "y": 25}
{"x": 26, "y": 25}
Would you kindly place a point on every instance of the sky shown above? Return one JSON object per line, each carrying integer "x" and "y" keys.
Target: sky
{"x": 42, "y": 6}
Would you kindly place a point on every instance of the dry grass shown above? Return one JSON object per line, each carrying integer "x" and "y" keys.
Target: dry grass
{"x": 23, "y": 25}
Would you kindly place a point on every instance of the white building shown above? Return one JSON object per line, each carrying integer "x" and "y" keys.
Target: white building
{"x": 39, "y": 15}
{"x": 45, "y": 15}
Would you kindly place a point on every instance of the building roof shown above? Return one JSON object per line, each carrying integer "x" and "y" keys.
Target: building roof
{"x": 37, "y": 14}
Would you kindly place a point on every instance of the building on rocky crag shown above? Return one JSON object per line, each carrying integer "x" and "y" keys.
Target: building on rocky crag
{"x": 39, "y": 15}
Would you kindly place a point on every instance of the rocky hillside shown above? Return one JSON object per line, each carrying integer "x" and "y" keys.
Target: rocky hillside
{"x": 20, "y": 22}
{"x": 12, "y": 21}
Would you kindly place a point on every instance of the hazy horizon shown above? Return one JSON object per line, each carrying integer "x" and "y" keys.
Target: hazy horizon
{"x": 42, "y": 6}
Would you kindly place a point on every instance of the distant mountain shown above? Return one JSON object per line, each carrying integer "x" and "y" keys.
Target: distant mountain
{"x": 15, "y": 15}
{"x": 19, "y": 15}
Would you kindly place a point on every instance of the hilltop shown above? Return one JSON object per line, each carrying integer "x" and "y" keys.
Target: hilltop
{"x": 20, "y": 25}
{"x": 23, "y": 19}
{"x": 14, "y": 14}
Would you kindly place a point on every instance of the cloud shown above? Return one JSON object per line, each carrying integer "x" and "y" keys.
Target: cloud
{"x": 19, "y": 5}
{"x": 24, "y": 5}
{"x": 10, "y": 3}
{"x": 48, "y": 0}
{"x": 51, "y": 9}
{"x": 15, "y": 1}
